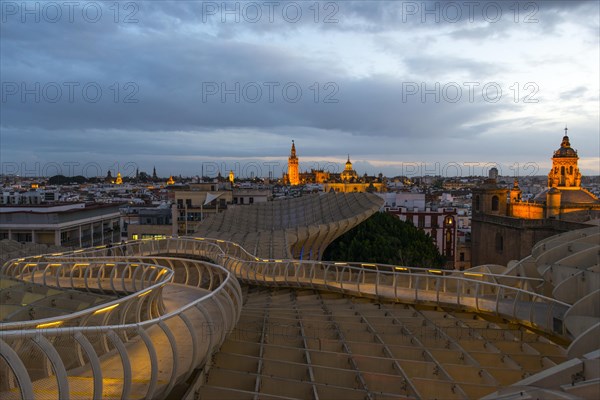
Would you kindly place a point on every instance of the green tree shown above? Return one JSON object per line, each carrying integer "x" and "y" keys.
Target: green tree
{"x": 384, "y": 239}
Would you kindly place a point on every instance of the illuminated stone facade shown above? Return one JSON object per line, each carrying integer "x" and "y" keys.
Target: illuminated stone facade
{"x": 293, "y": 174}
{"x": 348, "y": 181}
{"x": 505, "y": 227}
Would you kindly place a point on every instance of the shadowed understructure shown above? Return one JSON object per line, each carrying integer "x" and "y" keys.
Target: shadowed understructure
{"x": 299, "y": 228}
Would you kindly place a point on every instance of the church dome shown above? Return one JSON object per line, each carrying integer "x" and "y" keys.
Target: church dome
{"x": 348, "y": 163}
{"x": 565, "y": 149}
{"x": 568, "y": 196}
{"x": 348, "y": 173}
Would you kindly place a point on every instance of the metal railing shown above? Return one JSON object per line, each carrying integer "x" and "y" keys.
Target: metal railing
{"x": 48, "y": 355}
{"x": 138, "y": 346}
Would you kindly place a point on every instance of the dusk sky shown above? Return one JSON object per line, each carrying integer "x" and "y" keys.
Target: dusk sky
{"x": 403, "y": 87}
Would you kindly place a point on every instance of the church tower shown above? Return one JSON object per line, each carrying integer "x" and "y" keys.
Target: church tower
{"x": 293, "y": 174}
{"x": 565, "y": 173}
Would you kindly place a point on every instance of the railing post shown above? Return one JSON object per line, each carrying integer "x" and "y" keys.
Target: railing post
{"x": 18, "y": 368}
{"x": 477, "y": 285}
{"x": 417, "y": 288}
{"x": 114, "y": 338}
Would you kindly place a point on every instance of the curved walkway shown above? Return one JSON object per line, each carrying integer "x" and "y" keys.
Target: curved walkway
{"x": 173, "y": 311}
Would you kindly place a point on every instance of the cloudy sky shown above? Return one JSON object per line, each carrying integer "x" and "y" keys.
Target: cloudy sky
{"x": 403, "y": 87}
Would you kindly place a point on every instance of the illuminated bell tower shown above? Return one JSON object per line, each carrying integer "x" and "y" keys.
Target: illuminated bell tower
{"x": 515, "y": 192}
{"x": 293, "y": 174}
{"x": 565, "y": 172}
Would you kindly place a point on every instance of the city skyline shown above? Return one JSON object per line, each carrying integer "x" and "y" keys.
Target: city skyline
{"x": 275, "y": 168}
{"x": 379, "y": 80}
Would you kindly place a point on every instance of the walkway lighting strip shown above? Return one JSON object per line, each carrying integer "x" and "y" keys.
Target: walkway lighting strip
{"x": 105, "y": 309}
{"x": 161, "y": 273}
{"x": 472, "y": 274}
{"x": 434, "y": 271}
{"x": 48, "y": 325}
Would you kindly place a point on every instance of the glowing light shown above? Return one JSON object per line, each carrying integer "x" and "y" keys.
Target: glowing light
{"x": 144, "y": 293}
{"x": 49, "y": 325}
{"x": 161, "y": 273}
{"x": 401, "y": 269}
{"x": 368, "y": 265}
{"x": 105, "y": 309}
{"x": 472, "y": 274}
{"x": 434, "y": 271}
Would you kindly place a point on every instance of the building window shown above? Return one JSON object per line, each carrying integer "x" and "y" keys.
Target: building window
{"x": 462, "y": 256}
{"x": 251, "y": 200}
{"x": 495, "y": 201}
{"x": 421, "y": 221}
{"x": 24, "y": 237}
{"x": 477, "y": 203}
{"x": 499, "y": 243}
